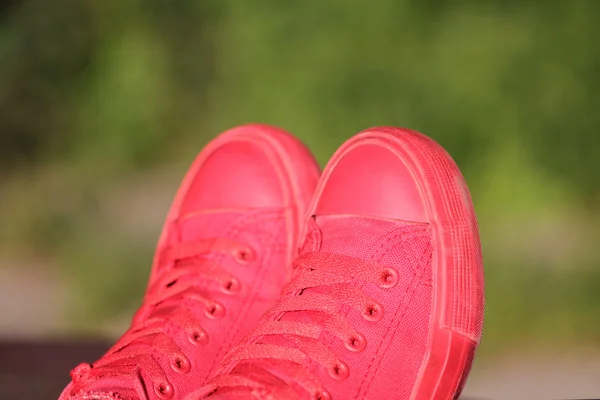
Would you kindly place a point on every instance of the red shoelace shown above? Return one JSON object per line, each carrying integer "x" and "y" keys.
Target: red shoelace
{"x": 186, "y": 280}
{"x": 324, "y": 282}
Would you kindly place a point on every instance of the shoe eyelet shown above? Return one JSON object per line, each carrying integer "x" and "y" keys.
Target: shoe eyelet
{"x": 322, "y": 395}
{"x": 168, "y": 285}
{"x": 198, "y": 338}
{"x": 164, "y": 390}
{"x": 181, "y": 364}
{"x": 389, "y": 278}
{"x": 231, "y": 286}
{"x": 215, "y": 311}
{"x": 356, "y": 343}
{"x": 339, "y": 371}
{"x": 244, "y": 256}
{"x": 373, "y": 312}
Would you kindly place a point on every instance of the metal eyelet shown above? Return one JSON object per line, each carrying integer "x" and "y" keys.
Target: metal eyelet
{"x": 356, "y": 343}
{"x": 198, "y": 338}
{"x": 244, "y": 256}
{"x": 389, "y": 278}
{"x": 231, "y": 286}
{"x": 181, "y": 364}
{"x": 164, "y": 390}
{"x": 215, "y": 311}
{"x": 339, "y": 371}
{"x": 373, "y": 312}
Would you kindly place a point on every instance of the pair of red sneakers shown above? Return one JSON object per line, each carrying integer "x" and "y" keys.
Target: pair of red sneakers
{"x": 272, "y": 283}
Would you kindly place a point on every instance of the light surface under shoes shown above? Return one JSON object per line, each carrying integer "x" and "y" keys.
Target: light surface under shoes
{"x": 386, "y": 300}
{"x": 221, "y": 262}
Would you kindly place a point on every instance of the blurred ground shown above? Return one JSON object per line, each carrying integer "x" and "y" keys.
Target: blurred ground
{"x": 36, "y": 300}
{"x": 527, "y": 376}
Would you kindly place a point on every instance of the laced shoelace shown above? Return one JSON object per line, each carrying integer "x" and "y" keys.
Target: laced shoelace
{"x": 335, "y": 279}
{"x": 184, "y": 281}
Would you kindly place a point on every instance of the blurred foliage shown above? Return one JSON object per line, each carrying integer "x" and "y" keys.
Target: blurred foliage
{"x": 92, "y": 93}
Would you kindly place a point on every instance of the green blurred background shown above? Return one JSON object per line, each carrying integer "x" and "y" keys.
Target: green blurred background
{"x": 103, "y": 105}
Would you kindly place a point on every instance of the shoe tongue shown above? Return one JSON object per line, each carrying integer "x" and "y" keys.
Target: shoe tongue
{"x": 365, "y": 237}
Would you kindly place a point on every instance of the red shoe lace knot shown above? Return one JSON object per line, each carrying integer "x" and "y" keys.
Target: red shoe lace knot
{"x": 80, "y": 371}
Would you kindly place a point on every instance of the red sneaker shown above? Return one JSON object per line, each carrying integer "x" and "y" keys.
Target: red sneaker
{"x": 386, "y": 301}
{"x": 221, "y": 261}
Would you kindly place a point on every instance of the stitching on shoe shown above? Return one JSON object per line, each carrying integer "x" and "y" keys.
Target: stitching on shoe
{"x": 234, "y": 231}
{"x": 391, "y": 331}
{"x": 397, "y": 316}
{"x": 266, "y": 243}
{"x": 366, "y": 384}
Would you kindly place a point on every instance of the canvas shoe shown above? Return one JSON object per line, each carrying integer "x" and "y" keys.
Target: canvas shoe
{"x": 387, "y": 296}
{"x": 221, "y": 261}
